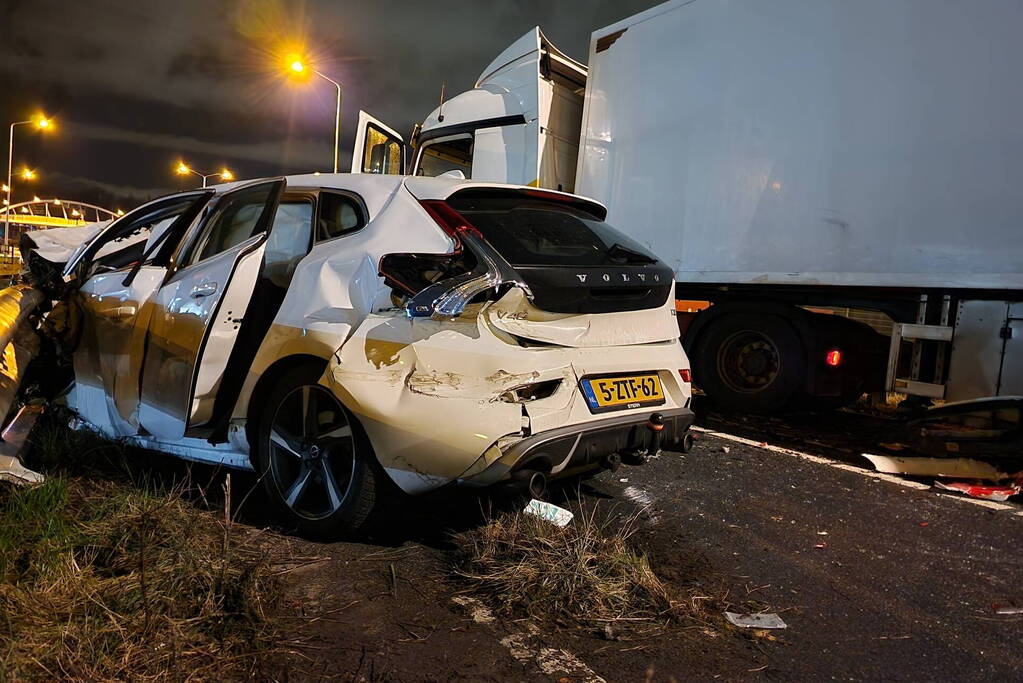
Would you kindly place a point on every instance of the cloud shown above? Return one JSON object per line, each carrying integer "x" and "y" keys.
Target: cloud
{"x": 303, "y": 153}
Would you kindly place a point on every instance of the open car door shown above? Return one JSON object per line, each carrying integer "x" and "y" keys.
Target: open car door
{"x": 378, "y": 148}
{"x": 200, "y": 311}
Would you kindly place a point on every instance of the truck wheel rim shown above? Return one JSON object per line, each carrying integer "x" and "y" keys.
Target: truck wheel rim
{"x": 312, "y": 452}
{"x": 748, "y": 362}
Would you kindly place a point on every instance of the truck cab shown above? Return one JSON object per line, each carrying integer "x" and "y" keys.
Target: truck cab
{"x": 519, "y": 124}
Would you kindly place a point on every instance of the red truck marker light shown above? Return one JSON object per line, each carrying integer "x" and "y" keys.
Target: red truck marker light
{"x": 833, "y": 358}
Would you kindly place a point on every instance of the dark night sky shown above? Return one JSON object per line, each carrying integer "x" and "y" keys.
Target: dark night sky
{"x": 136, "y": 84}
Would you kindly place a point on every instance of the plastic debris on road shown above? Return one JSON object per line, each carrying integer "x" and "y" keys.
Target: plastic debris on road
{"x": 552, "y": 513}
{"x": 998, "y": 493}
{"x": 759, "y": 620}
{"x": 1008, "y": 610}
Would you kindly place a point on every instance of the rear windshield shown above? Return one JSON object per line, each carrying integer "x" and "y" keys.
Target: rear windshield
{"x": 535, "y": 232}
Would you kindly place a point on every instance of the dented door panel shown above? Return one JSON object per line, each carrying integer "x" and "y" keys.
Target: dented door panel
{"x": 187, "y": 310}
{"x": 108, "y": 359}
{"x": 336, "y": 286}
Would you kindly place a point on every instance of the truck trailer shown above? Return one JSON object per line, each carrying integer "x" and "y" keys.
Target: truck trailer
{"x": 833, "y": 182}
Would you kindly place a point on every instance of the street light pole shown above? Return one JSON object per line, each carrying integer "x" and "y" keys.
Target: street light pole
{"x": 43, "y": 123}
{"x": 337, "y": 116}
{"x": 185, "y": 169}
{"x": 10, "y": 166}
{"x": 298, "y": 66}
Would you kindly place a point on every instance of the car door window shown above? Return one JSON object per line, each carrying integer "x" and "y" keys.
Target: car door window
{"x": 338, "y": 215}
{"x": 233, "y": 221}
{"x": 289, "y": 240}
{"x": 128, "y": 240}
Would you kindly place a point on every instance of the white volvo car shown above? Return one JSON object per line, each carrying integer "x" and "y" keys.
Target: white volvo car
{"x": 332, "y": 332}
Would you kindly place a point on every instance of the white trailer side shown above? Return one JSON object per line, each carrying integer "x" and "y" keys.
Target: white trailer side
{"x": 867, "y": 143}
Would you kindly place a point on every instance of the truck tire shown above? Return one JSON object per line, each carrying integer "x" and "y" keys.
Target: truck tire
{"x": 749, "y": 362}
{"x": 314, "y": 460}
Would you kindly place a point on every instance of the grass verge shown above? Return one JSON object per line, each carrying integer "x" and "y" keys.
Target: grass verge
{"x": 104, "y": 577}
{"x": 585, "y": 574}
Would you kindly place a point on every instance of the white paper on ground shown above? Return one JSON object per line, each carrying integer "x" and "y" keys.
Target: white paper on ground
{"x": 551, "y": 513}
{"x": 761, "y": 620}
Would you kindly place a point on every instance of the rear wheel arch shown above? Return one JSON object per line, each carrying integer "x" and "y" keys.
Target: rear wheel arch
{"x": 293, "y": 457}
{"x": 266, "y": 382}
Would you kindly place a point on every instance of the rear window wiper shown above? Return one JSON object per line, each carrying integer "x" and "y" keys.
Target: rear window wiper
{"x": 618, "y": 252}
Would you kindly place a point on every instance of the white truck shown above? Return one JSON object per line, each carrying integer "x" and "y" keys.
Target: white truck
{"x": 801, "y": 165}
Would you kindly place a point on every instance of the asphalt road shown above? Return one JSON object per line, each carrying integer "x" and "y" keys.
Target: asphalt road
{"x": 874, "y": 580}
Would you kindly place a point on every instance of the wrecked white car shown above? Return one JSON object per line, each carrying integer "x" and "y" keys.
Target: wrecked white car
{"x": 334, "y": 331}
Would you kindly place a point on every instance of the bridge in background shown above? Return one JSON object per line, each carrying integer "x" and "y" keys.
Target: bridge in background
{"x": 43, "y": 214}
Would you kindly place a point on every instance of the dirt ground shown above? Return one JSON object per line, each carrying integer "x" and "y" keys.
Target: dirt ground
{"x": 874, "y": 580}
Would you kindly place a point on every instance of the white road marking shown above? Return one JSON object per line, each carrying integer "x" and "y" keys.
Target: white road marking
{"x": 890, "y": 478}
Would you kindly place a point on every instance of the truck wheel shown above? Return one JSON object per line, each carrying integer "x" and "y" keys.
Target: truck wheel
{"x": 315, "y": 463}
{"x": 750, "y": 362}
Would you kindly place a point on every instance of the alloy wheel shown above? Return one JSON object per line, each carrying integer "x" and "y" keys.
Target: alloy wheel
{"x": 312, "y": 452}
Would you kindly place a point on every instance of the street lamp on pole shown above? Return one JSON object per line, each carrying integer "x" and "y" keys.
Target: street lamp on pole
{"x": 42, "y": 123}
{"x": 184, "y": 169}
{"x": 298, "y": 67}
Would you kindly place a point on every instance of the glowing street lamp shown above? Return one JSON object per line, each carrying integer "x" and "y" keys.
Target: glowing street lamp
{"x": 297, "y": 68}
{"x": 41, "y": 122}
{"x": 28, "y": 174}
{"x": 184, "y": 169}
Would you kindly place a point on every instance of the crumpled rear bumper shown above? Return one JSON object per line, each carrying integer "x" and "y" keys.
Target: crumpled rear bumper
{"x": 580, "y": 447}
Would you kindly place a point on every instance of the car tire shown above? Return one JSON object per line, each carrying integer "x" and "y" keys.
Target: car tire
{"x": 750, "y": 362}
{"x": 314, "y": 460}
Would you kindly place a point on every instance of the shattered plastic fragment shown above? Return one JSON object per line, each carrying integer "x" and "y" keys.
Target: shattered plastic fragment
{"x": 759, "y": 620}
{"x": 935, "y": 467}
{"x": 552, "y": 513}
{"x": 1008, "y": 610}
{"x": 14, "y": 438}
{"x": 998, "y": 493}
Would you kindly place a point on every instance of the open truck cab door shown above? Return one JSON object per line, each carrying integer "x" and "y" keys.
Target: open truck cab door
{"x": 520, "y": 123}
{"x": 206, "y": 317}
{"x": 378, "y": 148}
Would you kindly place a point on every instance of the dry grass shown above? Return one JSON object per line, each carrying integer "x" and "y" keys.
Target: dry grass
{"x": 586, "y": 574}
{"x": 103, "y": 578}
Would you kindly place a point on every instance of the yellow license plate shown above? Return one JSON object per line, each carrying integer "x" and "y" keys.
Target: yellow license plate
{"x": 622, "y": 392}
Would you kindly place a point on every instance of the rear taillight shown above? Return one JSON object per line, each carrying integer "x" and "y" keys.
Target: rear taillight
{"x": 450, "y": 221}
{"x": 686, "y": 374}
{"x": 833, "y": 357}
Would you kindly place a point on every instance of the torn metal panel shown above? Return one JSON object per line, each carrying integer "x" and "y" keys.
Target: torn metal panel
{"x": 515, "y": 315}
{"x": 986, "y": 428}
{"x": 14, "y": 438}
{"x": 404, "y": 376}
{"x": 936, "y": 467}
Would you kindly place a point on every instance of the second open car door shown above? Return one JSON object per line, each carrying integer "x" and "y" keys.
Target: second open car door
{"x": 378, "y": 148}
{"x": 199, "y": 311}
